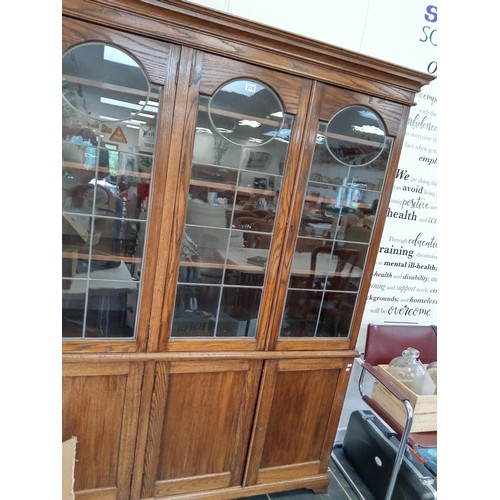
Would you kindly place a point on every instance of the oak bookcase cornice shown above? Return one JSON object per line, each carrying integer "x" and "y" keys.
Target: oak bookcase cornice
{"x": 244, "y": 40}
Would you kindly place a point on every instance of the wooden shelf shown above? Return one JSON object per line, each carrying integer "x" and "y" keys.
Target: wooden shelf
{"x": 261, "y": 269}
{"x": 222, "y": 265}
{"x": 107, "y": 86}
{"x": 331, "y": 201}
{"x": 239, "y": 116}
{"x": 354, "y": 140}
{"x": 228, "y": 187}
{"x": 101, "y": 257}
{"x": 81, "y": 166}
{"x": 277, "y": 123}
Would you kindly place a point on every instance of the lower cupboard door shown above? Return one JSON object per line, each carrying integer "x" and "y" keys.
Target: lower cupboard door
{"x": 199, "y": 425}
{"x": 100, "y": 407}
{"x": 297, "y": 416}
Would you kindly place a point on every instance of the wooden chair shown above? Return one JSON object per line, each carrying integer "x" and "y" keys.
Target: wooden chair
{"x": 331, "y": 312}
{"x": 257, "y": 231}
{"x": 262, "y": 214}
{"x": 384, "y": 343}
{"x": 357, "y": 238}
{"x": 237, "y": 214}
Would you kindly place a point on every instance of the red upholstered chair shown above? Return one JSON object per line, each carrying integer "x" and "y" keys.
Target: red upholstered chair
{"x": 384, "y": 343}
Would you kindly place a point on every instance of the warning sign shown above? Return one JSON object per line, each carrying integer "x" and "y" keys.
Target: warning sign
{"x": 118, "y": 136}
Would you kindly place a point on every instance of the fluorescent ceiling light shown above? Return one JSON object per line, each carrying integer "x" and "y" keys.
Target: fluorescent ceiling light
{"x": 368, "y": 129}
{"x": 132, "y": 121}
{"x": 250, "y": 123}
{"x": 117, "y": 56}
{"x": 278, "y": 114}
{"x": 284, "y": 133}
{"x": 125, "y": 104}
{"x": 133, "y": 126}
{"x": 151, "y": 103}
{"x": 146, "y": 115}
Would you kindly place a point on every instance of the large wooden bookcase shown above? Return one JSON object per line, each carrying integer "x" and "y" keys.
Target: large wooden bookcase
{"x": 191, "y": 369}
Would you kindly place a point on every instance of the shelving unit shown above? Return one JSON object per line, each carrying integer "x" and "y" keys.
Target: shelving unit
{"x": 188, "y": 370}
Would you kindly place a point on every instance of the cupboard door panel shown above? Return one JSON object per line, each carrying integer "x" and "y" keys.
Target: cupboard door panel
{"x": 336, "y": 220}
{"x": 295, "y": 427}
{"x": 217, "y": 70}
{"x": 153, "y": 55}
{"x": 240, "y": 135}
{"x": 118, "y": 94}
{"x": 100, "y": 407}
{"x": 199, "y": 425}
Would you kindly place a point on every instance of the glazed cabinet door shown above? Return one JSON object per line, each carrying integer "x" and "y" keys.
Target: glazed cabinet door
{"x": 296, "y": 419}
{"x": 200, "y": 417}
{"x": 117, "y": 100}
{"x": 336, "y": 221}
{"x": 100, "y": 407}
{"x": 238, "y": 133}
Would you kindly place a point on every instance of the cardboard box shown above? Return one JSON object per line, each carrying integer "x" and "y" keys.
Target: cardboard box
{"x": 424, "y": 407}
{"x": 68, "y": 468}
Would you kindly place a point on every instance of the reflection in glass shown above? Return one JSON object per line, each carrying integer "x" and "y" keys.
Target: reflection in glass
{"x": 355, "y": 135}
{"x": 103, "y": 82}
{"x": 238, "y": 312}
{"x": 233, "y": 197}
{"x": 195, "y": 310}
{"x": 246, "y": 112}
{"x": 338, "y": 215}
{"x": 107, "y": 168}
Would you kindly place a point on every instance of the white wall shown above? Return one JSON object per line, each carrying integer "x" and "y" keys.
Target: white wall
{"x": 385, "y": 29}
{"x": 403, "y": 33}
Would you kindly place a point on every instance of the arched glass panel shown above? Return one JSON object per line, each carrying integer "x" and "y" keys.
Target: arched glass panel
{"x": 234, "y": 190}
{"x": 109, "y": 116}
{"x": 103, "y": 82}
{"x": 346, "y": 178}
{"x": 355, "y": 136}
{"x": 246, "y": 112}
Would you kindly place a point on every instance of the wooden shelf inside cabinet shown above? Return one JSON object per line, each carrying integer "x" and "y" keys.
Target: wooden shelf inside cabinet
{"x": 103, "y": 257}
{"x": 106, "y": 86}
{"x": 354, "y": 140}
{"x": 256, "y": 268}
{"x": 239, "y": 116}
{"x": 229, "y": 265}
{"x": 218, "y": 186}
{"x": 81, "y": 166}
{"x": 331, "y": 201}
{"x": 239, "y": 261}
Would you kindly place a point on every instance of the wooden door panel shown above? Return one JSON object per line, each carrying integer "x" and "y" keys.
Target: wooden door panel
{"x": 299, "y": 416}
{"x": 217, "y": 71}
{"x": 159, "y": 61}
{"x": 100, "y": 404}
{"x": 294, "y": 425}
{"x": 207, "y": 73}
{"x": 153, "y": 55}
{"x": 336, "y": 99}
{"x": 199, "y": 425}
